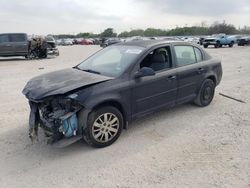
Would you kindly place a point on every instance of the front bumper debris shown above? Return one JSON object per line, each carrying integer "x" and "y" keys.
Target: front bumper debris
{"x": 33, "y": 121}
{"x": 57, "y": 117}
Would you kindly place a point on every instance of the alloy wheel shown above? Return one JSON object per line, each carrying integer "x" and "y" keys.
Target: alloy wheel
{"x": 105, "y": 127}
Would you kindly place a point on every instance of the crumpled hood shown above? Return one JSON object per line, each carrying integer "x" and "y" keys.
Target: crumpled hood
{"x": 60, "y": 82}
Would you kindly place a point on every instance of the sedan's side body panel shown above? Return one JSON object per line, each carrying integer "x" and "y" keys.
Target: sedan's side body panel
{"x": 153, "y": 92}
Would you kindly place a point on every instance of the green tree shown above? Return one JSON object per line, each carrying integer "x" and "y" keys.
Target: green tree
{"x": 151, "y": 32}
{"x": 109, "y": 32}
{"x": 124, "y": 34}
{"x": 222, "y": 28}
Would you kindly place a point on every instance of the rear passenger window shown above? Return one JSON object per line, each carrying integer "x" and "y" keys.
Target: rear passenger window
{"x": 17, "y": 38}
{"x": 4, "y": 38}
{"x": 198, "y": 54}
{"x": 185, "y": 55}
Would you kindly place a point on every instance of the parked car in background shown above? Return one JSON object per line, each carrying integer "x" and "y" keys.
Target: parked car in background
{"x": 219, "y": 40}
{"x": 98, "y": 98}
{"x": 170, "y": 39}
{"x": 86, "y": 42}
{"x": 97, "y": 41}
{"x": 244, "y": 40}
{"x": 110, "y": 41}
{"x": 51, "y": 46}
{"x": 66, "y": 42}
{"x": 201, "y": 40}
{"x": 195, "y": 40}
{"x": 58, "y": 41}
{"x": 14, "y": 44}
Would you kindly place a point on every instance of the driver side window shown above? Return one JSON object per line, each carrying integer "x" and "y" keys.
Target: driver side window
{"x": 158, "y": 59}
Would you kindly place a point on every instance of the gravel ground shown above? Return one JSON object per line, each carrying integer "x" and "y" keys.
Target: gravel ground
{"x": 186, "y": 146}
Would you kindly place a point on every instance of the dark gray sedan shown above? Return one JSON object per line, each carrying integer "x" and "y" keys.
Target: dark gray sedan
{"x": 98, "y": 98}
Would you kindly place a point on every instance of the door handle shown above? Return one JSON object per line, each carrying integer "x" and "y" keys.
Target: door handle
{"x": 200, "y": 70}
{"x": 171, "y": 77}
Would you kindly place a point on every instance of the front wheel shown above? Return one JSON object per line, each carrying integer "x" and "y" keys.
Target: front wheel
{"x": 231, "y": 44}
{"x": 206, "y": 93}
{"x": 104, "y": 126}
{"x": 217, "y": 45}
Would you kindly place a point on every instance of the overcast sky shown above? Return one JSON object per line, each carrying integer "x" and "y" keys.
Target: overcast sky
{"x": 74, "y": 16}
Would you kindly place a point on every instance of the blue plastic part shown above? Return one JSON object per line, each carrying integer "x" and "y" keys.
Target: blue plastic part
{"x": 70, "y": 126}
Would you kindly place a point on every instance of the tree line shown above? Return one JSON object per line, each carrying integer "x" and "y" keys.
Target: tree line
{"x": 178, "y": 31}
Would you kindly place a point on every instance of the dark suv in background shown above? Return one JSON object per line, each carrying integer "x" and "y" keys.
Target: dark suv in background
{"x": 14, "y": 44}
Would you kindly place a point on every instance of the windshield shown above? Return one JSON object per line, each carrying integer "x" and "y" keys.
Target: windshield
{"x": 111, "y": 61}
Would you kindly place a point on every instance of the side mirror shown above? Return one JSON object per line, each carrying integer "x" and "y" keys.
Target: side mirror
{"x": 144, "y": 71}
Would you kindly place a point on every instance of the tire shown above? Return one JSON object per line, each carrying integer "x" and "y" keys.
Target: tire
{"x": 217, "y": 45}
{"x": 231, "y": 44}
{"x": 205, "y": 46}
{"x": 206, "y": 93}
{"x": 100, "y": 133}
{"x": 30, "y": 55}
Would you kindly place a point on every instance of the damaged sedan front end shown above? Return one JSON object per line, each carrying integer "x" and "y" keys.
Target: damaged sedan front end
{"x": 57, "y": 116}
{"x": 53, "y": 107}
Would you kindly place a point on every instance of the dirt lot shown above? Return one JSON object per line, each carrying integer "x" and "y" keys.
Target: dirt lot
{"x": 186, "y": 146}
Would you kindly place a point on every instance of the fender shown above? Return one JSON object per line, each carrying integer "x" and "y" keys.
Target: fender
{"x": 111, "y": 98}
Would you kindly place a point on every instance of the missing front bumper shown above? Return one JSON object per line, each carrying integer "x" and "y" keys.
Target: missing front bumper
{"x": 57, "y": 125}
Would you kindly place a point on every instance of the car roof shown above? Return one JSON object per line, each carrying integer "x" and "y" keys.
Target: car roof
{"x": 149, "y": 43}
{"x": 12, "y": 33}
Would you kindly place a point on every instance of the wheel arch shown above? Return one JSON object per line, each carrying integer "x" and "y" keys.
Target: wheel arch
{"x": 213, "y": 78}
{"x": 116, "y": 104}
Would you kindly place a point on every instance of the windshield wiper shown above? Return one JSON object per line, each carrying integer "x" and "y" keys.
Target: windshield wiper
{"x": 91, "y": 71}
{"x": 87, "y": 70}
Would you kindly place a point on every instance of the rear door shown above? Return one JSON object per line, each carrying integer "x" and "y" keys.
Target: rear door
{"x": 191, "y": 71}
{"x": 19, "y": 43}
{"x": 5, "y": 45}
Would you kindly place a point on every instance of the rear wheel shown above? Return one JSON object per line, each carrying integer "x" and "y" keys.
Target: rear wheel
{"x": 104, "y": 126}
{"x": 205, "y": 45}
{"x": 206, "y": 93}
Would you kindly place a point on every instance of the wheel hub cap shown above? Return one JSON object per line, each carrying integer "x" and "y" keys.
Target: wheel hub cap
{"x": 207, "y": 93}
{"x": 105, "y": 127}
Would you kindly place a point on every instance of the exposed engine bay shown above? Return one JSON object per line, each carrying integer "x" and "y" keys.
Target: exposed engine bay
{"x": 57, "y": 116}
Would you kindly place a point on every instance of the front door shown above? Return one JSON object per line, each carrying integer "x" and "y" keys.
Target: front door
{"x": 153, "y": 92}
